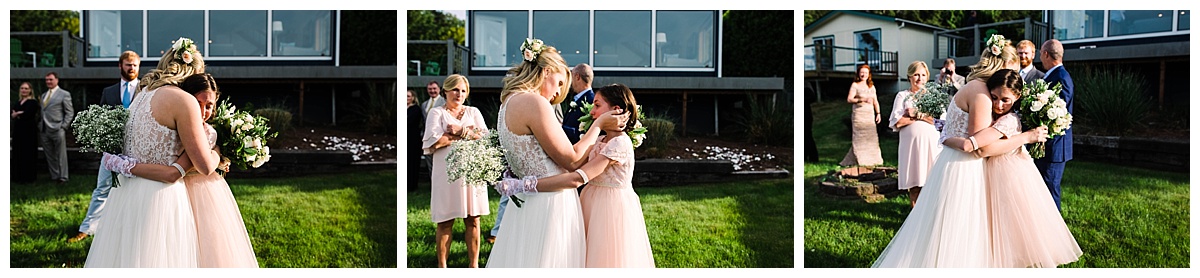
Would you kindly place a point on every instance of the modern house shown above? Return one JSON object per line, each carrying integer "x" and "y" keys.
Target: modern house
{"x": 278, "y": 58}
{"x": 838, "y": 42}
{"x": 671, "y": 59}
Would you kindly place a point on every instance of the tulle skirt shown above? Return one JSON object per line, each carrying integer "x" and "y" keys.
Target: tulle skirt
{"x": 616, "y": 228}
{"x": 146, "y": 224}
{"x": 1027, "y": 228}
{"x": 948, "y": 227}
{"x": 220, "y": 232}
{"x": 546, "y": 231}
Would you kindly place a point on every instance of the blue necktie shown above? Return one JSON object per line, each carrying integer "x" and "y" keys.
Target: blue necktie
{"x": 126, "y": 96}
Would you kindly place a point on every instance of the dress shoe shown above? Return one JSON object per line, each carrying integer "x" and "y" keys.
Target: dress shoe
{"x": 77, "y": 237}
{"x": 491, "y": 239}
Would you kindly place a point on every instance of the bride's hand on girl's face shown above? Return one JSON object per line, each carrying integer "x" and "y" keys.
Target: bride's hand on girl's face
{"x": 612, "y": 120}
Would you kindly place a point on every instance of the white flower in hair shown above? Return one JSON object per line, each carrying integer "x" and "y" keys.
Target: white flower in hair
{"x": 531, "y": 48}
{"x": 996, "y": 43}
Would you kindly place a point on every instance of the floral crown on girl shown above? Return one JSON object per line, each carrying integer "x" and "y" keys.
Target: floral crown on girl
{"x": 531, "y": 48}
{"x": 185, "y": 50}
{"x": 996, "y": 43}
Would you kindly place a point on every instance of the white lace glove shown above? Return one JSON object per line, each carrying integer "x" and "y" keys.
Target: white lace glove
{"x": 509, "y": 186}
{"x": 119, "y": 163}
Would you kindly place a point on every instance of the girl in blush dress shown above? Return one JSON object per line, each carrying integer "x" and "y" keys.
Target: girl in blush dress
{"x": 1026, "y": 227}
{"x": 220, "y": 231}
{"x": 612, "y": 211}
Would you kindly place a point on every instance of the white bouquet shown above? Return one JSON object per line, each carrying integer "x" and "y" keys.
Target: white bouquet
{"x": 1040, "y": 105}
{"x": 476, "y": 162}
{"x": 241, "y": 137}
{"x": 101, "y": 129}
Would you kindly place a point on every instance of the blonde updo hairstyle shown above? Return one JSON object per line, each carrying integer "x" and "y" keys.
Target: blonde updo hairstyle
{"x": 990, "y": 63}
{"x": 528, "y": 76}
{"x": 172, "y": 69}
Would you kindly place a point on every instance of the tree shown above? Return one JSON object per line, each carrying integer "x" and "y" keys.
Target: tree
{"x": 759, "y": 43}
{"x": 949, "y": 19}
{"x": 369, "y": 37}
{"x": 44, "y": 21}
{"x": 434, "y": 25}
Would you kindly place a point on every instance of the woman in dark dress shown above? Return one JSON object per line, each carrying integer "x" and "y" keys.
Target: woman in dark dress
{"x": 24, "y": 131}
{"x": 416, "y": 126}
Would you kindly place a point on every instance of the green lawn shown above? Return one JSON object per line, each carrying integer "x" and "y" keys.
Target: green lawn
{"x": 737, "y": 224}
{"x": 345, "y": 220}
{"x": 1122, "y": 217}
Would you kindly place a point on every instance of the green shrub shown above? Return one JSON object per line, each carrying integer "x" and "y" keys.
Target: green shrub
{"x": 279, "y": 119}
{"x": 377, "y": 112}
{"x": 768, "y": 122}
{"x": 1111, "y": 100}
{"x": 660, "y": 133}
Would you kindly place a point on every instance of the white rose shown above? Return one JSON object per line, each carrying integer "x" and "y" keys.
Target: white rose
{"x": 247, "y": 143}
{"x": 260, "y": 161}
{"x": 1037, "y": 106}
{"x": 186, "y": 56}
{"x": 537, "y": 44}
{"x": 528, "y": 55}
{"x": 249, "y": 119}
{"x": 1053, "y": 113}
{"x": 995, "y": 50}
{"x": 257, "y": 143}
{"x": 266, "y": 150}
{"x": 247, "y": 126}
{"x": 1059, "y": 102}
{"x": 250, "y": 158}
{"x": 178, "y": 43}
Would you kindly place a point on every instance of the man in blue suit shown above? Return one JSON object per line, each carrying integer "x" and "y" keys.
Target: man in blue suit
{"x": 119, "y": 95}
{"x": 582, "y": 85}
{"x": 1058, "y": 149}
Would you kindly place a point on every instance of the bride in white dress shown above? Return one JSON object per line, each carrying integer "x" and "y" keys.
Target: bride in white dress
{"x": 149, "y": 220}
{"x": 547, "y": 230}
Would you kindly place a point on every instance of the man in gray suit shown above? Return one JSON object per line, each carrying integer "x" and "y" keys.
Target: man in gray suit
{"x": 435, "y": 99}
{"x": 119, "y": 95}
{"x": 57, "y": 113}
{"x": 1025, "y": 52}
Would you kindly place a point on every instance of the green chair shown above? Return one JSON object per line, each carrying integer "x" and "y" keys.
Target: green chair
{"x": 433, "y": 68}
{"x": 47, "y": 60}
{"x": 16, "y": 55}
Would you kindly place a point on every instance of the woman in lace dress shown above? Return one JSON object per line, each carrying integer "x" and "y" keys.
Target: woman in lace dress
{"x": 949, "y": 226}
{"x": 149, "y": 220}
{"x": 547, "y": 229}
{"x": 864, "y": 115}
{"x": 1026, "y": 227}
{"x": 450, "y": 200}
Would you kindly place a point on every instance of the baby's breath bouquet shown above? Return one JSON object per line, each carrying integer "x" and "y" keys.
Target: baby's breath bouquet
{"x": 637, "y": 135}
{"x": 476, "y": 162}
{"x": 241, "y": 137}
{"x": 935, "y": 99}
{"x": 101, "y": 129}
{"x": 1040, "y": 105}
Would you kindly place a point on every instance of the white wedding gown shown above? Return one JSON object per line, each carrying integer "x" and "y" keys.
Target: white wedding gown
{"x": 547, "y": 230}
{"x": 147, "y": 223}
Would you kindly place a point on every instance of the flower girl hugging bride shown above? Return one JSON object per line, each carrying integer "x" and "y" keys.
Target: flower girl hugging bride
{"x": 612, "y": 211}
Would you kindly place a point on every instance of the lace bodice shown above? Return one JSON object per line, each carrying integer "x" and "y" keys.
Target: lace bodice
{"x": 522, "y": 152}
{"x": 619, "y": 149}
{"x": 956, "y": 123}
{"x": 145, "y": 138}
{"x": 1010, "y": 125}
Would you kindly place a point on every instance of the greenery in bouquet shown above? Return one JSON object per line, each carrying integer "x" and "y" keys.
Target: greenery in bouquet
{"x": 101, "y": 128}
{"x": 241, "y": 137}
{"x": 1040, "y": 105}
{"x": 477, "y": 162}
{"x": 637, "y": 135}
{"x": 935, "y": 99}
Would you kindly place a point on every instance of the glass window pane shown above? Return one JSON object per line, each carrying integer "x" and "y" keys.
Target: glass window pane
{"x": 301, "y": 33}
{"x": 164, "y": 27}
{"x": 623, "y": 39}
{"x": 1070, "y": 25}
{"x": 1128, "y": 22}
{"x": 237, "y": 33}
{"x": 685, "y": 39}
{"x": 1185, "y": 20}
{"x": 113, "y": 32}
{"x": 565, "y": 30}
{"x": 498, "y": 37}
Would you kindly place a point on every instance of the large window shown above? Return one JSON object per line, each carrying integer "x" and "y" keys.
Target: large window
{"x": 238, "y": 33}
{"x": 565, "y": 30}
{"x": 301, "y": 33}
{"x": 1185, "y": 21}
{"x": 623, "y": 39}
{"x": 1070, "y": 25}
{"x": 869, "y": 43}
{"x": 498, "y": 36}
{"x": 685, "y": 39}
{"x": 164, "y": 27}
{"x": 1128, "y": 22}
{"x": 114, "y": 32}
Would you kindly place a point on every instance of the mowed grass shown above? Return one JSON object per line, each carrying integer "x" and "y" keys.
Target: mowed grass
{"x": 1122, "y": 217}
{"x": 736, "y": 224}
{"x": 343, "y": 220}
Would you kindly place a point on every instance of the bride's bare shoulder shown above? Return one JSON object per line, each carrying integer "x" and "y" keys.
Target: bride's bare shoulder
{"x": 525, "y": 100}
